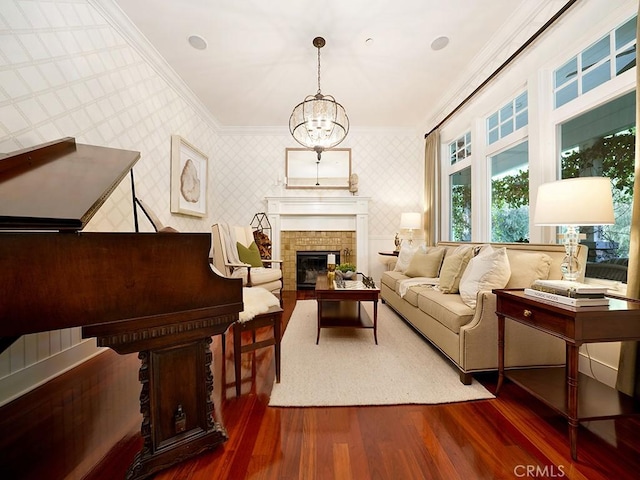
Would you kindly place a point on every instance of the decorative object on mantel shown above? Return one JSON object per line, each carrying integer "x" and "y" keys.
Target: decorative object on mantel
{"x": 319, "y": 122}
{"x": 303, "y": 170}
{"x": 572, "y": 202}
{"x": 353, "y": 183}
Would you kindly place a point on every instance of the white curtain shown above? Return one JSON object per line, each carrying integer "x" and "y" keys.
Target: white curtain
{"x": 628, "y": 380}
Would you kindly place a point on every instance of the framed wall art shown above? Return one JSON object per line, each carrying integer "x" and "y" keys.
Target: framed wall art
{"x": 188, "y": 178}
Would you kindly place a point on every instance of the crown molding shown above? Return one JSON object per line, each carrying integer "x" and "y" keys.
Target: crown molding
{"x": 114, "y": 15}
{"x": 504, "y": 43}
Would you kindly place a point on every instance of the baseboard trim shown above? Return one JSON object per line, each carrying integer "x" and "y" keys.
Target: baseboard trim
{"x": 596, "y": 369}
{"x": 31, "y": 377}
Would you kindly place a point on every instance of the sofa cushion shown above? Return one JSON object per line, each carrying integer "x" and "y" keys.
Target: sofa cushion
{"x": 391, "y": 278}
{"x": 453, "y": 266}
{"x": 413, "y": 294}
{"x": 527, "y": 267}
{"x": 486, "y": 271}
{"x": 449, "y": 310}
{"x": 425, "y": 264}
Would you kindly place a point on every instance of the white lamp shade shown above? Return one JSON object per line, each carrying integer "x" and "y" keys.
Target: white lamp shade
{"x": 575, "y": 201}
{"x": 411, "y": 220}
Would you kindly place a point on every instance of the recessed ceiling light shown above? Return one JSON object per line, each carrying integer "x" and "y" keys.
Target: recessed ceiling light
{"x": 439, "y": 43}
{"x": 368, "y": 42}
{"x": 197, "y": 42}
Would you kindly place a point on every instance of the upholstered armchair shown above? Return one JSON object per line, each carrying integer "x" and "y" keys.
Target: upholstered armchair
{"x": 236, "y": 255}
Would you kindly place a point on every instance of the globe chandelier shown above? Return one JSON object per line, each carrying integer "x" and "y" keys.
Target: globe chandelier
{"x": 319, "y": 122}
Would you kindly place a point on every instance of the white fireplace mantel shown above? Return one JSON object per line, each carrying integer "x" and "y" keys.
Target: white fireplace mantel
{"x": 321, "y": 214}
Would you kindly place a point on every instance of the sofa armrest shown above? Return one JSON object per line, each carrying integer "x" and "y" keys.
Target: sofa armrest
{"x": 524, "y": 346}
{"x": 479, "y": 337}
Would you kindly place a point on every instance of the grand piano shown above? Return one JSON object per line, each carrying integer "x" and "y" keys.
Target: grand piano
{"x": 152, "y": 293}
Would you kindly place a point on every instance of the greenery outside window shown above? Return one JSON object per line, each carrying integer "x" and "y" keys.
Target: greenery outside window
{"x": 460, "y": 148}
{"x": 601, "y": 142}
{"x": 613, "y": 54}
{"x": 511, "y": 117}
{"x": 510, "y": 194}
{"x": 460, "y": 201}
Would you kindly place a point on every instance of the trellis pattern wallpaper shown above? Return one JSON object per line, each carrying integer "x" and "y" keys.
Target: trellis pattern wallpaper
{"x": 66, "y": 69}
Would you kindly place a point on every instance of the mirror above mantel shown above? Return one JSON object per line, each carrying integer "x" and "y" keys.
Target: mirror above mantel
{"x": 304, "y": 171}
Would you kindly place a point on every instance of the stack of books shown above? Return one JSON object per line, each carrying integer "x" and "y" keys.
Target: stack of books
{"x": 566, "y": 292}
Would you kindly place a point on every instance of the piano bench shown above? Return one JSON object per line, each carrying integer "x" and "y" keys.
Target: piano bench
{"x": 271, "y": 318}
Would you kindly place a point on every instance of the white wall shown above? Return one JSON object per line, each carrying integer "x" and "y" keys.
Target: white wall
{"x": 75, "y": 68}
{"x": 585, "y": 23}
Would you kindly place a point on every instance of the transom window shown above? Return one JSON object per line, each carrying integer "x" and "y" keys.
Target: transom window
{"x": 613, "y": 54}
{"x": 511, "y": 117}
{"x": 460, "y": 148}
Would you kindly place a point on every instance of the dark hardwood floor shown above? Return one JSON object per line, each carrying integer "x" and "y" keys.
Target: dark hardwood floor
{"x": 85, "y": 424}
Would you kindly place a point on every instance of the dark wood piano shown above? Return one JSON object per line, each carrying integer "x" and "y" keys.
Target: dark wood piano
{"x": 152, "y": 293}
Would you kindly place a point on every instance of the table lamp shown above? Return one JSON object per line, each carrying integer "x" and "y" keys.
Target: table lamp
{"x": 411, "y": 221}
{"x": 573, "y": 202}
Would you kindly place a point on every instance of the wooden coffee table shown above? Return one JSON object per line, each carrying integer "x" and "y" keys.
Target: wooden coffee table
{"x": 340, "y": 307}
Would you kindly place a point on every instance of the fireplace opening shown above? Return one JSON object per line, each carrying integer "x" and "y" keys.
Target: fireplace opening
{"x": 310, "y": 264}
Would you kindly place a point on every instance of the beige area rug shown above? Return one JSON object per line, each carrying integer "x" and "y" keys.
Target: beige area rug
{"x": 348, "y": 368}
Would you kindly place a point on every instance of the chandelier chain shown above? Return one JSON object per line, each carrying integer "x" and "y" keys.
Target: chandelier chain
{"x": 318, "y": 70}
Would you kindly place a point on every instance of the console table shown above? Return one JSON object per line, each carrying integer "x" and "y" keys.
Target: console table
{"x": 576, "y": 396}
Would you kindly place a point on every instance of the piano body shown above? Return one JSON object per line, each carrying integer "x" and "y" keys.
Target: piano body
{"x": 152, "y": 293}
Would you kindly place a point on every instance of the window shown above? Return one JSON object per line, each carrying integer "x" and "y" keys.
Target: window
{"x": 460, "y": 201}
{"x": 460, "y": 149}
{"x": 510, "y": 194}
{"x": 612, "y": 55}
{"x": 601, "y": 142}
{"x": 511, "y": 117}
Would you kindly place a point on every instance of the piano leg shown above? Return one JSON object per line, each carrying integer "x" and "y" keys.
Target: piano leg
{"x": 176, "y": 407}
{"x": 178, "y": 420}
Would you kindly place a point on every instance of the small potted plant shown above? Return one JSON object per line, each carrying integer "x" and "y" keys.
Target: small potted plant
{"x": 346, "y": 270}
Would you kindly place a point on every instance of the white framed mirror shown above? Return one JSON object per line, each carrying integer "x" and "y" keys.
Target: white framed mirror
{"x": 304, "y": 171}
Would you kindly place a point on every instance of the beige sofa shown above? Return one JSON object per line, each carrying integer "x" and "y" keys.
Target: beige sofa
{"x": 469, "y": 336}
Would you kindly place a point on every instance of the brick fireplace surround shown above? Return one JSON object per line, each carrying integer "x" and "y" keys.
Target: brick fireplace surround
{"x": 318, "y": 223}
{"x": 308, "y": 241}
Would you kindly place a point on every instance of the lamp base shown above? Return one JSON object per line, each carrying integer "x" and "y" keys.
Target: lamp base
{"x": 570, "y": 266}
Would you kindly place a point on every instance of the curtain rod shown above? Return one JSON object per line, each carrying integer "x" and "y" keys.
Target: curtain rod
{"x": 531, "y": 39}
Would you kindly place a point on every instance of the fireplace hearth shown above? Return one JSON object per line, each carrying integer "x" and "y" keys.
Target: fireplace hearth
{"x": 310, "y": 264}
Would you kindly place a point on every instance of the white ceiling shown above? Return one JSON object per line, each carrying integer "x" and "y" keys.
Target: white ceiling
{"x": 260, "y": 61}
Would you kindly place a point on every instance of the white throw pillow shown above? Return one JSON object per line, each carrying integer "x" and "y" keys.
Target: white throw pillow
{"x": 407, "y": 251}
{"x": 488, "y": 270}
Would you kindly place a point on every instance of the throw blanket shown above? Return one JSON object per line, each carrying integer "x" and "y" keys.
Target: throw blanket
{"x": 406, "y": 284}
{"x": 256, "y": 300}
{"x": 230, "y": 243}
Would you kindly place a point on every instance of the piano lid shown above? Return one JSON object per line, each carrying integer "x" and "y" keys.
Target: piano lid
{"x": 59, "y": 185}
